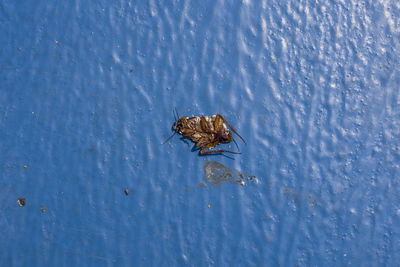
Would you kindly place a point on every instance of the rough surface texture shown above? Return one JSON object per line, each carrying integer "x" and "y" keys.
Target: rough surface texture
{"x": 87, "y": 93}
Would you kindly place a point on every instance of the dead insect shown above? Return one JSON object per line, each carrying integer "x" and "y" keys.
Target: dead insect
{"x": 207, "y": 132}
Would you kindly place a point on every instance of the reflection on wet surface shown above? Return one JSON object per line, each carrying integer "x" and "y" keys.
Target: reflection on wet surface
{"x": 216, "y": 174}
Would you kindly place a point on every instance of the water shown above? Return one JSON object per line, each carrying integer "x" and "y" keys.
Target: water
{"x": 217, "y": 174}
{"x": 86, "y": 100}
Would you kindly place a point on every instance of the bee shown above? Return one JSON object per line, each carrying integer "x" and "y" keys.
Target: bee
{"x": 206, "y": 131}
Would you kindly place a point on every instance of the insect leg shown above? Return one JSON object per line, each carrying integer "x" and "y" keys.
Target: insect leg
{"x": 203, "y": 124}
{"x": 169, "y": 138}
{"x": 211, "y": 145}
{"x": 227, "y": 123}
{"x": 203, "y": 152}
{"x": 206, "y": 126}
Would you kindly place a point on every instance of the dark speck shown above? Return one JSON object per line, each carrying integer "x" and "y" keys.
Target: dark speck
{"x": 21, "y": 202}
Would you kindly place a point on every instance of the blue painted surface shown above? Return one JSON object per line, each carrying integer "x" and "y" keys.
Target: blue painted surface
{"x": 86, "y": 99}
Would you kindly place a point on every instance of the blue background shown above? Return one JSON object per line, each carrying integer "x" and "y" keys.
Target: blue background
{"x": 87, "y": 92}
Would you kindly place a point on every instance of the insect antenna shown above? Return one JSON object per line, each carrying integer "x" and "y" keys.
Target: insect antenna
{"x": 227, "y": 123}
{"x": 176, "y": 118}
{"x": 176, "y": 111}
{"x": 168, "y": 138}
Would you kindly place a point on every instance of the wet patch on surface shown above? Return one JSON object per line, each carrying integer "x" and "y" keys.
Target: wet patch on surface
{"x": 216, "y": 174}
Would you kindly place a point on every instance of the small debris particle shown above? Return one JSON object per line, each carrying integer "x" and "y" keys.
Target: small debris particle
{"x": 92, "y": 148}
{"x": 201, "y": 185}
{"x": 286, "y": 191}
{"x": 21, "y": 202}
{"x": 126, "y": 191}
{"x": 57, "y": 42}
{"x": 209, "y": 206}
{"x": 25, "y": 166}
{"x": 251, "y": 177}
{"x": 43, "y": 209}
{"x": 131, "y": 70}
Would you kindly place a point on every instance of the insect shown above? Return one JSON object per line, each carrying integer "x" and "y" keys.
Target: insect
{"x": 206, "y": 131}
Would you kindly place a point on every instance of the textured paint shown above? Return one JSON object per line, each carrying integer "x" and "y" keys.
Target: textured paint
{"x": 87, "y": 92}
